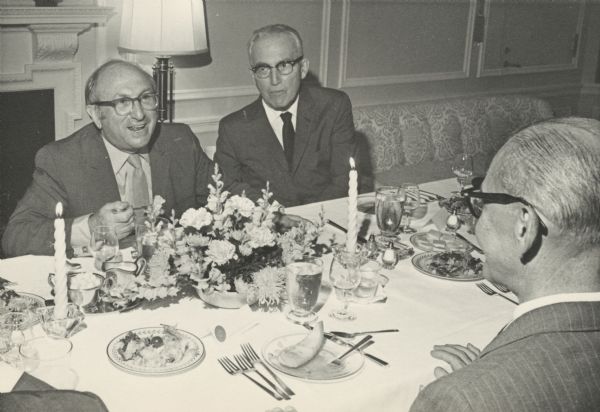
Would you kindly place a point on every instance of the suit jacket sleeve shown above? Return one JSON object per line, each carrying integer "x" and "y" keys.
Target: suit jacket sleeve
{"x": 227, "y": 159}
{"x": 30, "y": 229}
{"x": 204, "y": 170}
{"x": 343, "y": 145}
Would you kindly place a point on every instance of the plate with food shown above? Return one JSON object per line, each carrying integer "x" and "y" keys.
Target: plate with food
{"x": 156, "y": 351}
{"x": 449, "y": 265}
{"x": 309, "y": 356}
{"x": 434, "y": 240}
{"x": 13, "y": 301}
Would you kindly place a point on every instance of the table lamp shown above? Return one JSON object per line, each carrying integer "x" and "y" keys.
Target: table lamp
{"x": 163, "y": 28}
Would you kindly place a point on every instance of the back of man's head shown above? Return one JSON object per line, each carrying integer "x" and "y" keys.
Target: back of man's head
{"x": 555, "y": 165}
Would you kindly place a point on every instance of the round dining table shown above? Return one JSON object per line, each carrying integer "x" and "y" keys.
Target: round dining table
{"x": 426, "y": 311}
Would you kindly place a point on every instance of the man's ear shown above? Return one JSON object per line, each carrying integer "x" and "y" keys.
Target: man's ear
{"x": 94, "y": 113}
{"x": 527, "y": 232}
{"x": 304, "y": 64}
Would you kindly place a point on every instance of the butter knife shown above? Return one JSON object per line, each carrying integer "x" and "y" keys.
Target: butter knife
{"x": 341, "y": 341}
{"x": 360, "y": 239}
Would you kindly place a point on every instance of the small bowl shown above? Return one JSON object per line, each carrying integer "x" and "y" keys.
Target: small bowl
{"x": 83, "y": 288}
{"x": 60, "y": 328}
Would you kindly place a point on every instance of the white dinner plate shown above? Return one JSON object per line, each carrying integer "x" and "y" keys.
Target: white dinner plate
{"x": 192, "y": 356}
{"x": 424, "y": 263}
{"x": 319, "y": 368}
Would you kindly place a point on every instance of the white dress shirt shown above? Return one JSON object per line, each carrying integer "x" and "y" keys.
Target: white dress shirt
{"x": 274, "y": 117}
{"x": 530, "y": 305}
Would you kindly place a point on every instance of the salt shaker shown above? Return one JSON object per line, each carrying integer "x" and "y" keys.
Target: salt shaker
{"x": 389, "y": 257}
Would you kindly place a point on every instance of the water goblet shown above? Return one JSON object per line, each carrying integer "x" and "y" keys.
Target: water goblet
{"x": 389, "y": 207}
{"x": 412, "y": 203}
{"x": 462, "y": 167}
{"x": 345, "y": 276}
{"x": 303, "y": 283}
{"x": 48, "y": 358}
{"x": 104, "y": 244}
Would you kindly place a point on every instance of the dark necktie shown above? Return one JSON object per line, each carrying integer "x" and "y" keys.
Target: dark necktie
{"x": 139, "y": 185}
{"x": 288, "y": 134}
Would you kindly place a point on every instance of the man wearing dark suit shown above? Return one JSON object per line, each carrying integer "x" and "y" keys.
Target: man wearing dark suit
{"x": 297, "y": 138}
{"x": 540, "y": 231}
{"x": 30, "y": 394}
{"x": 105, "y": 170}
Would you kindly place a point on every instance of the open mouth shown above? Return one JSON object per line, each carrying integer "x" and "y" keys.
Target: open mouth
{"x": 137, "y": 128}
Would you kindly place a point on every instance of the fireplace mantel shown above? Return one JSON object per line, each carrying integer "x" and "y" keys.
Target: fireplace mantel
{"x": 52, "y": 36}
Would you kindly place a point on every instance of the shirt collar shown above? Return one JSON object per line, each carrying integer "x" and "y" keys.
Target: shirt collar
{"x": 530, "y": 305}
{"x": 272, "y": 114}
{"x": 118, "y": 158}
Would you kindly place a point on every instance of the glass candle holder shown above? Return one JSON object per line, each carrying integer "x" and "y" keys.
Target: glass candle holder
{"x": 60, "y": 328}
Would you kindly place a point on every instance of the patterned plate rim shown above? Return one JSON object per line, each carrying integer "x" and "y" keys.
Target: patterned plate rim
{"x": 421, "y": 234}
{"x": 32, "y": 296}
{"x": 420, "y": 256}
{"x": 196, "y": 360}
{"x": 307, "y": 379}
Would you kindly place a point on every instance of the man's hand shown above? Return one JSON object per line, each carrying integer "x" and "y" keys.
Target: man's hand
{"x": 118, "y": 214}
{"x": 457, "y": 356}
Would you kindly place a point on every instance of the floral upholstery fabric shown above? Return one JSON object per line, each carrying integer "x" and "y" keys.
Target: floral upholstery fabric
{"x": 422, "y": 135}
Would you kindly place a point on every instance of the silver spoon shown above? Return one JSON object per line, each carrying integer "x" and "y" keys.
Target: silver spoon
{"x": 354, "y": 334}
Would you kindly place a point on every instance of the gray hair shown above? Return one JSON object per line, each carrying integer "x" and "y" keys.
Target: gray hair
{"x": 275, "y": 29}
{"x": 90, "y": 85}
{"x": 555, "y": 165}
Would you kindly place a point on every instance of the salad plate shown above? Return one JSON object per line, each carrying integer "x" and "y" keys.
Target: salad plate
{"x": 449, "y": 266}
{"x": 156, "y": 351}
{"x": 319, "y": 368}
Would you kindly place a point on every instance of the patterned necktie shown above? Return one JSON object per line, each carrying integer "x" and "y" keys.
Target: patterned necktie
{"x": 139, "y": 185}
{"x": 288, "y": 134}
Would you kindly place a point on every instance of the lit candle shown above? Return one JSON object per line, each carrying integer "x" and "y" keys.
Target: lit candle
{"x": 60, "y": 258}
{"x": 352, "y": 208}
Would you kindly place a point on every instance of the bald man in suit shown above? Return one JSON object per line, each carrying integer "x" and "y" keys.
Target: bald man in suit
{"x": 539, "y": 226}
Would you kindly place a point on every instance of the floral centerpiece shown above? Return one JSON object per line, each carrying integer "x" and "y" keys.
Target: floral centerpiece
{"x": 235, "y": 245}
{"x": 231, "y": 246}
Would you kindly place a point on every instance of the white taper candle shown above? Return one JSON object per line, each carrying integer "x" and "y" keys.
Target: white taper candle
{"x": 60, "y": 259}
{"x": 352, "y": 208}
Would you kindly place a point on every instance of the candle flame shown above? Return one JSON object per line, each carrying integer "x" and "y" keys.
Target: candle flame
{"x": 59, "y": 209}
{"x": 352, "y": 164}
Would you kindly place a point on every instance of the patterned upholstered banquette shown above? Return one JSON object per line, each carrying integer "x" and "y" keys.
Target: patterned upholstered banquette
{"x": 417, "y": 141}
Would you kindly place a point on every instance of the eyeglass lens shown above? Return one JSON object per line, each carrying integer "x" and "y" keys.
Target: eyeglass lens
{"x": 125, "y": 105}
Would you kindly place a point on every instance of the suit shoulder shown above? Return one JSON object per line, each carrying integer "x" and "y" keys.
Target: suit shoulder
{"x": 71, "y": 145}
{"x": 240, "y": 115}
{"x": 326, "y": 93}
{"x": 174, "y": 133}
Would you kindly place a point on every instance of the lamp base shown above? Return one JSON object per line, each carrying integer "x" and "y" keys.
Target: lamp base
{"x": 162, "y": 72}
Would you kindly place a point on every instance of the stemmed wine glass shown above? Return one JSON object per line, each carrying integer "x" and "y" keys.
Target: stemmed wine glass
{"x": 104, "y": 244}
{"x": 462, "y": 167}
{"x": 413, "y": 201}
{"x": 389, "y": 207}
{"x": 344, "y": 275}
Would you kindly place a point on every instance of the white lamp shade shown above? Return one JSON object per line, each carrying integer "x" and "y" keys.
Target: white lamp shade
{"x": 163, "y": 27}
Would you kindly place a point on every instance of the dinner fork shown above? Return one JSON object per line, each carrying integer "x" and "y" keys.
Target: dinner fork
{"x": 489, "y": 291}
{"x": 247, "y": 366}
{"x": 253, "y": 357}
{"x": 501, "y": 287}
{"x": 350, "y": 335}
{"x": 231, "y": 368}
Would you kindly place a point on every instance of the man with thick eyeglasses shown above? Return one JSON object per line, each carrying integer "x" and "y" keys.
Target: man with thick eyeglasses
{"x": 299, "y": 138}
{"x": 106, "y": 173}
{"x": 539, "y": 227}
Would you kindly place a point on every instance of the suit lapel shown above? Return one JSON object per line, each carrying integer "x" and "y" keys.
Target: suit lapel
{"x": 304, "y": 118}
{"x": 262, "y": 135}
{"x": 160, "y": 168}
{"x": 559, "y": 317}
{"x": 100, "y": 168}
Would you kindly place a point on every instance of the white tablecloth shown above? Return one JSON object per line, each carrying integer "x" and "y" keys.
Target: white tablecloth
{"x": 426, "y": 310}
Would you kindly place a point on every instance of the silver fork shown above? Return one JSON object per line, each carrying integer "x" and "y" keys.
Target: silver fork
{"x": 247, "y": 366}
{"x": 253, "y": 357}
{"x": 231, "y": 368}
{"x": 501, "y": 287}
{"x": 489, "y": 291}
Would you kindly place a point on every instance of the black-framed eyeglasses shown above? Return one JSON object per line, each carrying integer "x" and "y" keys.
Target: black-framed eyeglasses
{"x": 124, "y": 105}
{"x": 284, "y": 67}
{"x": 477, "y": 199}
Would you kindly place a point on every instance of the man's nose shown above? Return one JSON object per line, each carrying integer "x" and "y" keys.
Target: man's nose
{"x": 275, "y": 76}
{"x": 137, "y": 111}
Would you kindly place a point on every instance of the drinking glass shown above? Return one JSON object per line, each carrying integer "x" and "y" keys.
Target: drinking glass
{"x": 104, "y": 244}
{"x": 48, "y": 359}
{"x": 345, "y": 276}
{"x": 303, "y": 284}
{"x": 412, "y": 203}
{"x": 462, "y": 167}
{"x": 389, "y": 207}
